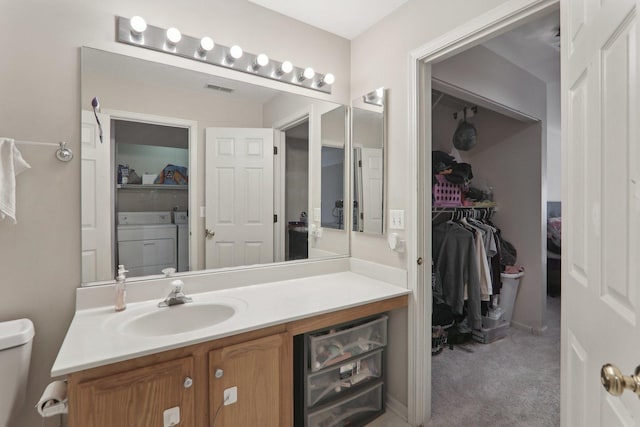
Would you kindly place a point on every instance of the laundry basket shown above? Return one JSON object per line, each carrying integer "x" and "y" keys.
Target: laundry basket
{"x": 446, "y": 194}
{"x": 509, "y": 292}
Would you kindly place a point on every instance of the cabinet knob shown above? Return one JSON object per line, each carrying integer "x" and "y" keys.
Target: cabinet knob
{"x": 188, "y": 382}
{"x": 219, "y": 373}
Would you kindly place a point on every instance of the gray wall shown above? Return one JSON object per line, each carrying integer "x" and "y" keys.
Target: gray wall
{"x": 40, "y": 88}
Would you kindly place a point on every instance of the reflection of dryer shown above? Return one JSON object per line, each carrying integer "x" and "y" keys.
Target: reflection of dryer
{"x": 146, "y": 242}
{"x": 182, "y": 223}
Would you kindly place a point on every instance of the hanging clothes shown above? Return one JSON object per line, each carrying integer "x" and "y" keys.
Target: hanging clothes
{"x": 454, "y": 257}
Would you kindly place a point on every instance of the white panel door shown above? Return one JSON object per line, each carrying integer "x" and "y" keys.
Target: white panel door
{"x": 601, "y": 212}
{"x": 239, "y": 196}
{"x": 372, "y": 190}
{"x": 95, "y": 186}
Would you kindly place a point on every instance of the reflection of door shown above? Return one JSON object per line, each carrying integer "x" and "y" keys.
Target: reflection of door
{"x": 239, "y": 196}
{"x": 371, "y": 190}
{"x": 601, "y": 242}
{"x": 95, "y": 184}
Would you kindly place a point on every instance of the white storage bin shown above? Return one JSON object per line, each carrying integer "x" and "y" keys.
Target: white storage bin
{"x": 508, "y": 293}
{"x": 357, "y": 408}
{"x": 327, "y": 349}
{"x": 331, "y": 382}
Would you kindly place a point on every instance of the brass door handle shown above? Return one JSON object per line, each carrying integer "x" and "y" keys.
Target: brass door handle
{"x": 616, "y": 383}
{"x": 209, "y": 233}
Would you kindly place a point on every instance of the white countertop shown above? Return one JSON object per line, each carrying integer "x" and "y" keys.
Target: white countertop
{"x": 94, "y": 338}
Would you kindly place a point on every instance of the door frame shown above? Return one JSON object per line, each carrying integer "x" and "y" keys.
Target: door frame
{"x": 501, "y": 19}
{"x": 194, "y": 212}
{"x": 280, "y": 127}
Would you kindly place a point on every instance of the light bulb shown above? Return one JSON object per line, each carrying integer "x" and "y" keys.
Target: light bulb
{"x": 262, "y": 60}
{"x": 285, "y": 68}
{"x": 327, "y": 79}
{"x": 138, "y": 25}
{"x": 173, "y": 36}
{"x": 206, "y": 44}
{"x": 236, "y": 52}
{"x": 380, "y": 92}
{"x": 308, "y": 73}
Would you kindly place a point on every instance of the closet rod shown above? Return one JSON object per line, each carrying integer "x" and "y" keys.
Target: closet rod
{"x": 463, "y": 211}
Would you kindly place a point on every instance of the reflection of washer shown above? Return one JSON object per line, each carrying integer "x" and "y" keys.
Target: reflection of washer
{"x": 182, "y": 223}
{"x": 146, "y": 242}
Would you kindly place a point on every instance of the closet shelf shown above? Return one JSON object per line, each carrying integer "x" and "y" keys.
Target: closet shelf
{"x": 151, "y": 187}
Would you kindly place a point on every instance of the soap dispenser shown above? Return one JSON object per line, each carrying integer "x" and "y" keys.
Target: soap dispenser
{"x": 120, "y": 289}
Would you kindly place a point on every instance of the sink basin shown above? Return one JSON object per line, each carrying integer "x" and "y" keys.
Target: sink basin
{"x": 178, "y": 319}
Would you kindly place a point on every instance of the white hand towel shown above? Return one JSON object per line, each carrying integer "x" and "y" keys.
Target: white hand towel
{"x": 11, "y": 164}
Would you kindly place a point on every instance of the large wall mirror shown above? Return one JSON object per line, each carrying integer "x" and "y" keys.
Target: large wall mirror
{"x": 189, "y": 171}
{"x": 368, "y": 141}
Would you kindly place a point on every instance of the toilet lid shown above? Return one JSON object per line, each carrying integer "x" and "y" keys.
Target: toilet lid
{"x": 15, "y": 332}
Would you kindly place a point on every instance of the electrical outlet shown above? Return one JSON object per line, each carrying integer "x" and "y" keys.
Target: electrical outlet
{"x": 230, "y": 395}
{"x": 171, "y": 417}
{"x": 397, "y": 219}
{"x": 317, "y": 214}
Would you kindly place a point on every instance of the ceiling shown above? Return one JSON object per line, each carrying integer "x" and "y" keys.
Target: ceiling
{"x": 346, "y": 18}
{"x": 534, "y": 46}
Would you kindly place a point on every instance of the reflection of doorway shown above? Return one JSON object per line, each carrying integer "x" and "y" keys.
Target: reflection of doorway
{"x": 100, "y": 187}
{"x": 296, "y": 190}
{"x": 152, "y": 190}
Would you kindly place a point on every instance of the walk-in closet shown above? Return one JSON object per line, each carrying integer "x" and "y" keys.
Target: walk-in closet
{"x": 493, "y": 127}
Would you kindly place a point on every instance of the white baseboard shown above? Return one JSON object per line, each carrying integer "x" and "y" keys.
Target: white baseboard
{"x": 523, "y": 327}
{"x": 397, "y": 408}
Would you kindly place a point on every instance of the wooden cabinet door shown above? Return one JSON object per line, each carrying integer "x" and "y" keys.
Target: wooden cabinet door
{"x": 262, "y": 371}
{"x": 136, "y": 398}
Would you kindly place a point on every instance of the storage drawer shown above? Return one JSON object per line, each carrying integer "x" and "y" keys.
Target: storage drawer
{"x": 333, "y": 381}
{"x": 337, "y": 345}
{"x": 354, "y": 410}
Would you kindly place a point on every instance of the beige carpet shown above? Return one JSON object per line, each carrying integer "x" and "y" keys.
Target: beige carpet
{"x": 511, "y": 382}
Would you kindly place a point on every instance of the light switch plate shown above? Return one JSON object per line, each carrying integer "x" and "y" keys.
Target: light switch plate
{"x": 230, "y": 395}
{"x": 317, "y": 214}
{"x": 171, "y": 417}
{"x": 397, "y": 219}
{"x": 203, "y": 211}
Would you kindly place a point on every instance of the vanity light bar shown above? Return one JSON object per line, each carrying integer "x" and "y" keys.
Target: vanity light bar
{"x": 136, "y": 32}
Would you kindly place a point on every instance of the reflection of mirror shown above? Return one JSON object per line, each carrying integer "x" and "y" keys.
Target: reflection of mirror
{"x": 188, "y": 176}
{"x": 368, "y": 142}
{"x": 333, "y": 143}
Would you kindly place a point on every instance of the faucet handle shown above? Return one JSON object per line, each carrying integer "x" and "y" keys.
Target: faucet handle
{"x": 177, "y": 285}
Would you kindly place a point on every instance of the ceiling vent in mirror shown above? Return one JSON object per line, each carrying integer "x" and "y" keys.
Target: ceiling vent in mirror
{"x": 137, "y": 32}
{"x": 219, "y": 88}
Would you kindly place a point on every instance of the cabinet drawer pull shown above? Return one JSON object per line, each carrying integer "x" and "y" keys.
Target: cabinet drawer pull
{"x": 188, "y": 382}
{"x": 219, "y": 373}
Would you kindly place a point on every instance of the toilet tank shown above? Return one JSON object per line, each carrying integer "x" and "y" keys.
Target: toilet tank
{"x": 16, "y": 337}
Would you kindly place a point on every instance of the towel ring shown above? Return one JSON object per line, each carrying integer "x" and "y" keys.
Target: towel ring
{"x": 64, "y": 154}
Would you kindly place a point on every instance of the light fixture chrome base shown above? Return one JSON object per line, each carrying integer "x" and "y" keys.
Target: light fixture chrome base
{"x": 154, "y": 38}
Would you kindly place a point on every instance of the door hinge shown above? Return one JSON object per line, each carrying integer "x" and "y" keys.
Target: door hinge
{"x": 361, "y": 215}
{"x": 275, "y": 151}
{"x": 359, "y": 163}
{"x": 275, "y": 218}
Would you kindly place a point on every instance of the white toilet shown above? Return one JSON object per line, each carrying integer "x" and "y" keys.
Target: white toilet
{"x": 16, "y": 338}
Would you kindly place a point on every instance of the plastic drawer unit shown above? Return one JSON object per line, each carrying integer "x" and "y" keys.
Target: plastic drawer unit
{"x": 355, "y": 410}
{"x": 339, "y": 377}
{"x": 328, "y": 383}
{"x": 333, "y": 346}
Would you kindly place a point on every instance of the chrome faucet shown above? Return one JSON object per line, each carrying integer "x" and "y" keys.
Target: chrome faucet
{"x": 176, "y": 296}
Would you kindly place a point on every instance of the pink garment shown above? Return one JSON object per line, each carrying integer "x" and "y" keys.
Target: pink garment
{"x": 513, "y": 269}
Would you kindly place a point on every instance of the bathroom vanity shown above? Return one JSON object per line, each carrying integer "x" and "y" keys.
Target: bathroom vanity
{"x": 124, "y": 375}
